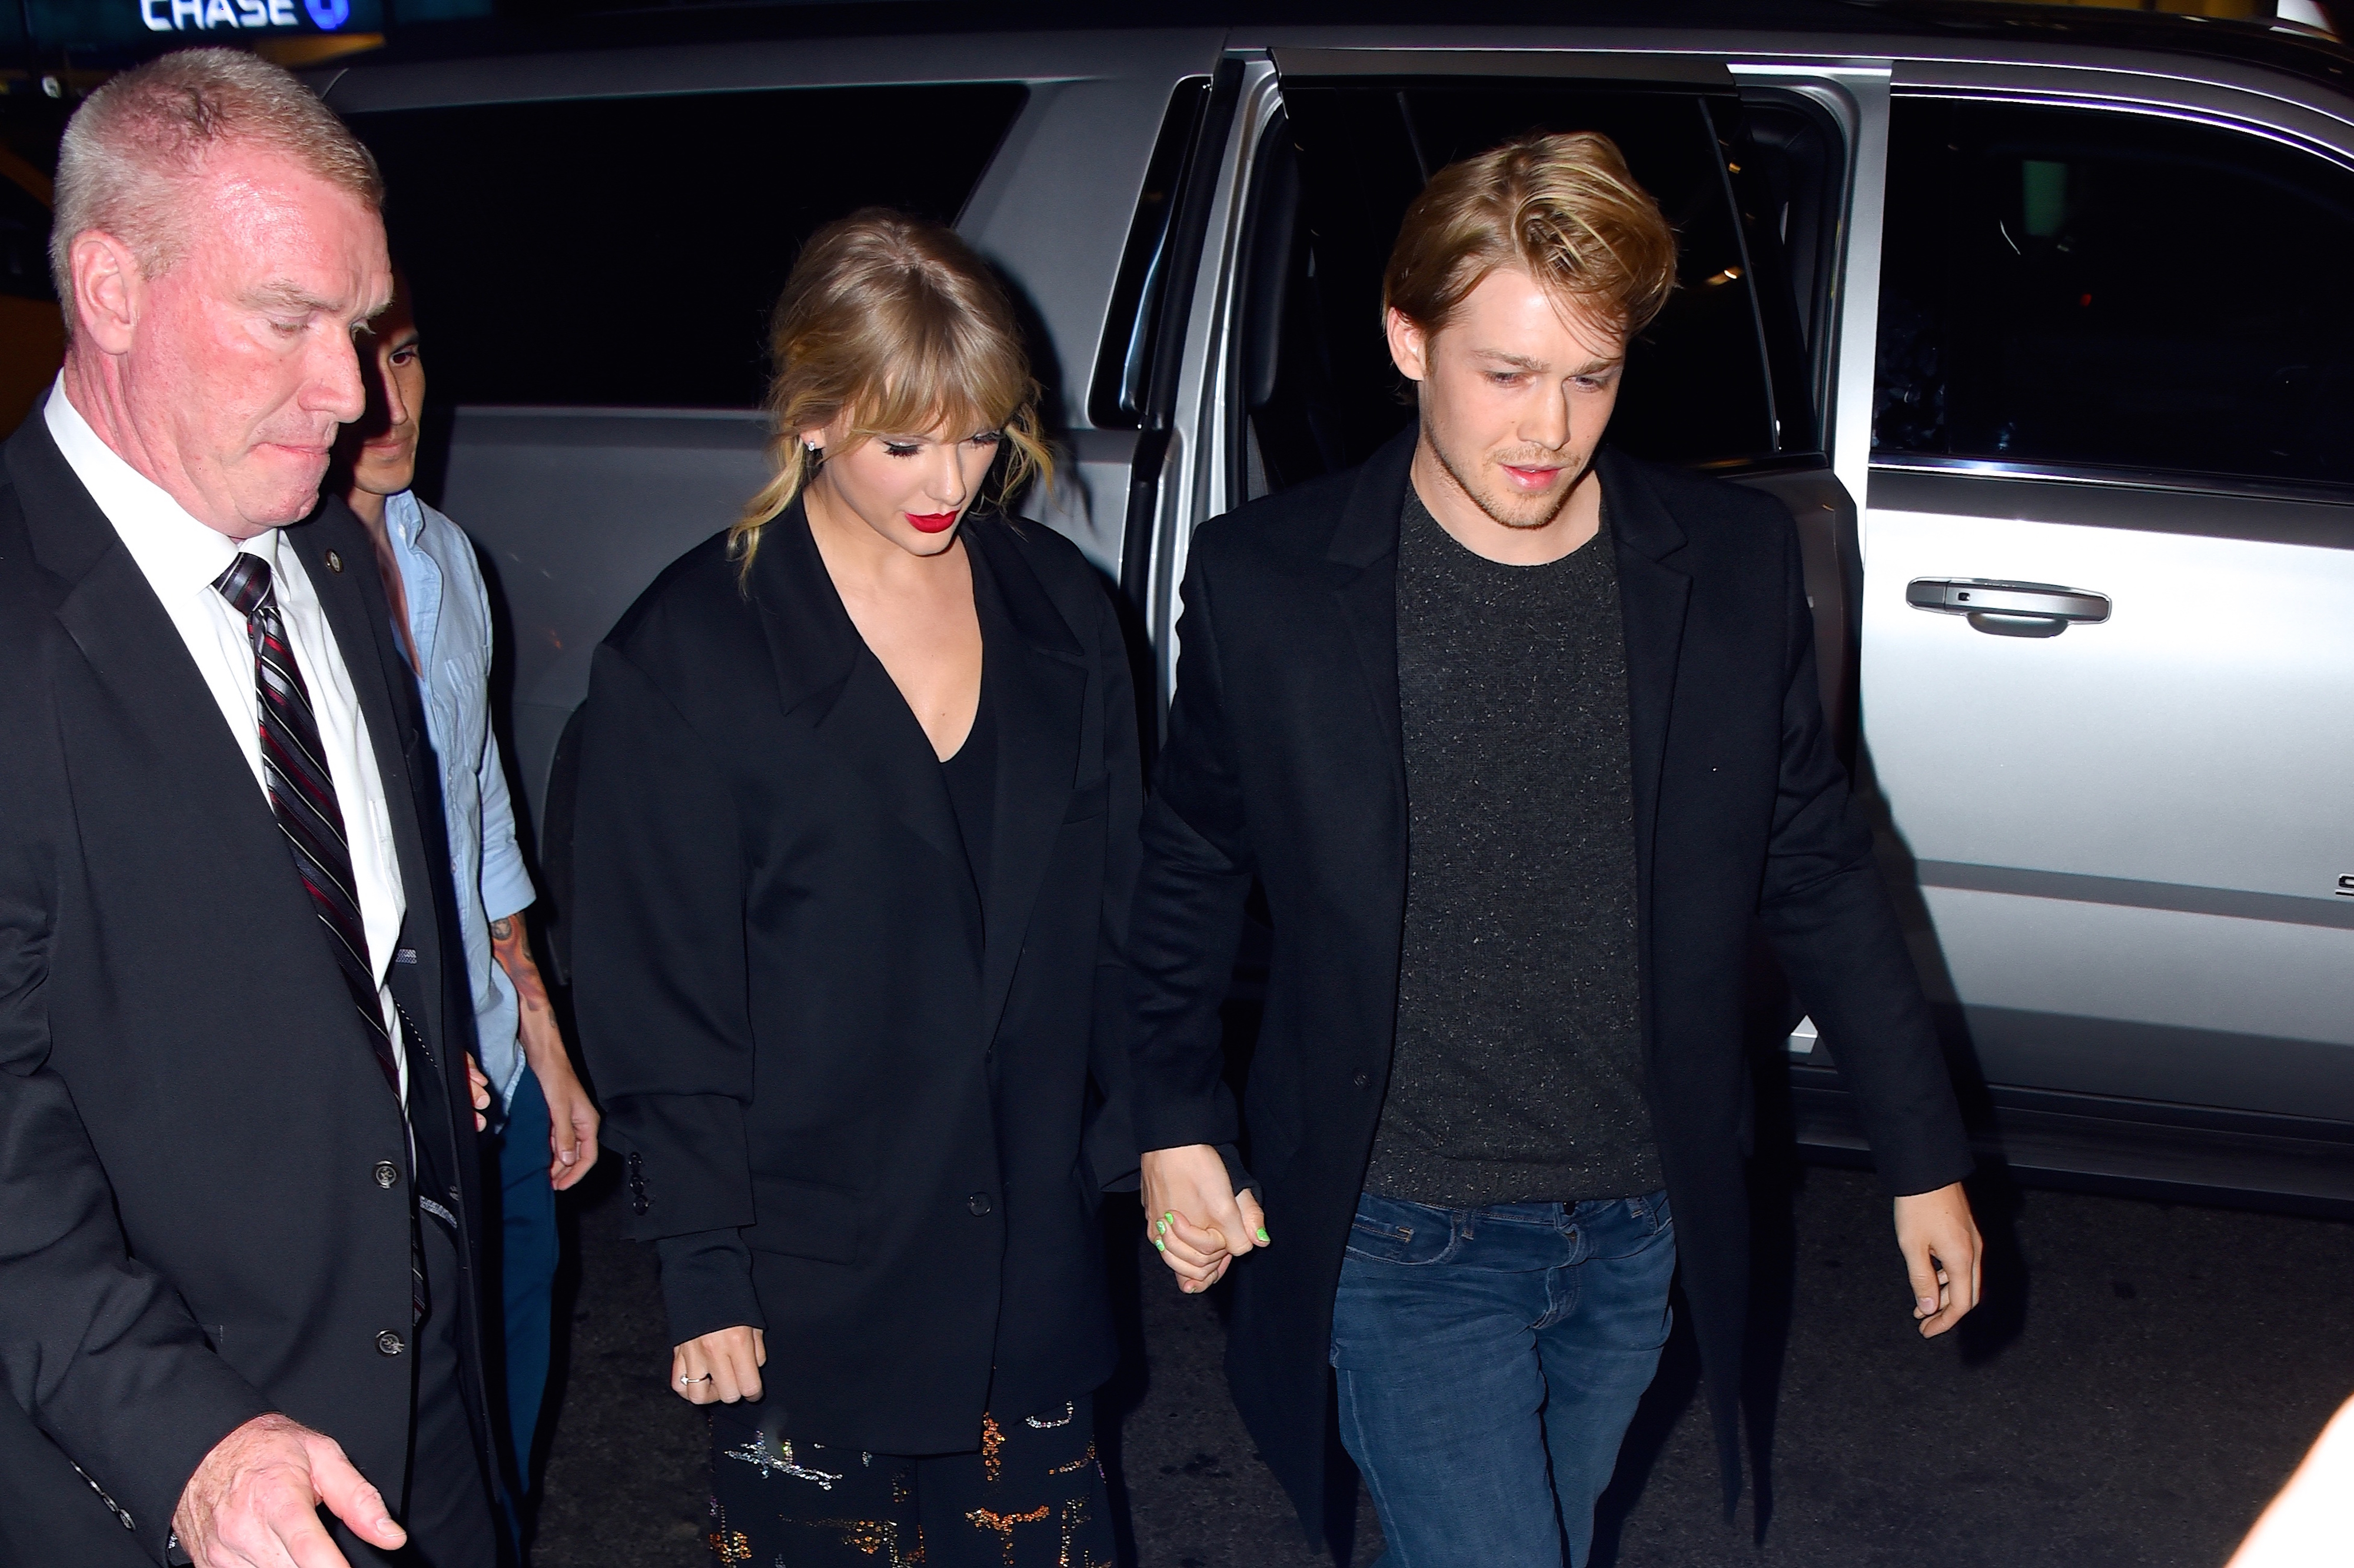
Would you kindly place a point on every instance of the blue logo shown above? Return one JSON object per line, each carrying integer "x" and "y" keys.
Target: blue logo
{"x": 328, "y": 15}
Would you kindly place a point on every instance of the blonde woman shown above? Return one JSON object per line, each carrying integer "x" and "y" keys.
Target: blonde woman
{"x": 856, "y": 837}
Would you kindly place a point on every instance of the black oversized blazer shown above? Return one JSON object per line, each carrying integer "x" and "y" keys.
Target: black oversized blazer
{"x": 808, "y": 1025}
{"x": 191, "y": 1116}
{"x": 1284, "y": 761}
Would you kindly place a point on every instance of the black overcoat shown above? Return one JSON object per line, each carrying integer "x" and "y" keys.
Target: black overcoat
{"x": 1285, "y": 762}
{"x": 806, "y": 1021}
{"x": 192, "y": 1229}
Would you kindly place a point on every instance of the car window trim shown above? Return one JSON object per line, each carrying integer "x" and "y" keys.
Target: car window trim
{"x": 2194, "y": 481}
{"x": 2167, "y": 482}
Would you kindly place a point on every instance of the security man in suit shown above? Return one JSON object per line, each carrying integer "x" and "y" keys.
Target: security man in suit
{"x": 236, "y": 1168}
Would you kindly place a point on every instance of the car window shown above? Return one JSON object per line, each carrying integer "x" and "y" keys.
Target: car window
{"x": 627, "y": 251}
{"x": 2087, "y": 287}
{"x": 1329, "y": 188}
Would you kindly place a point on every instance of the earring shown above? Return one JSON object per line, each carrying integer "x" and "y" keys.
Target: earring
{"x": 816, "y": 452}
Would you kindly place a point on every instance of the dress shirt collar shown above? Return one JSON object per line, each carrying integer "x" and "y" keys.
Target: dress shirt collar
{"x": 171, "y": 547}
{"x": 404, "y": 517}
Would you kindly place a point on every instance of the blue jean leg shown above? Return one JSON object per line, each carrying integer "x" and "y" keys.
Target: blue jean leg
{"x": 1601, "y": 1350}
{"x": 527, "y": 1257}
{"x": 1489, "y": 1362}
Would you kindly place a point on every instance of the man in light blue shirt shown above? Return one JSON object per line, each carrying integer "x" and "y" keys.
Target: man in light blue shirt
{"x": 548, "y": 1139}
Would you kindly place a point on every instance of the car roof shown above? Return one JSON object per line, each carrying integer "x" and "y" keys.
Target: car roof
{"x": 2059, "y": 27}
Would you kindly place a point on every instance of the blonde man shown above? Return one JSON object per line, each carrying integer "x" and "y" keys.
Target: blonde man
{"x": 1519, "y": 735}
{"x": 237, "y": 1172}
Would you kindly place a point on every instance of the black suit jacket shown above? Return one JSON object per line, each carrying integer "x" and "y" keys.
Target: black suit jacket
{"x": 811, "y": 1028}
{"x": 191, "y": 1231}
{"x": 1285, "y": 762}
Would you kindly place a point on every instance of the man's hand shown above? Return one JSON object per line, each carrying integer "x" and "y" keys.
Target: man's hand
{"x": 721, "y": 1367}
{"x": 1195, "y": 1217}
{"x": 253, "y": 1501}
{"x": 1942, "y": 1253}
{"x": 479, "y": 1084}
{"x": 572, "y": 1114}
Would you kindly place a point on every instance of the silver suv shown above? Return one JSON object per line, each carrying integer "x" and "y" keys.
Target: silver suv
{"x": 2042, "y": 331}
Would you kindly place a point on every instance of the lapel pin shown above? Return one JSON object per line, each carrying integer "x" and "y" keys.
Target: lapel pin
{"x": 335, "y": 562}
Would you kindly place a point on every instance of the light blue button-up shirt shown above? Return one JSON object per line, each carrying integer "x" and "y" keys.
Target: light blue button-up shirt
{"x": 449, "y": 621}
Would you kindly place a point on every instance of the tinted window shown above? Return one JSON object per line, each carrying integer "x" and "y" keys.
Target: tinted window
{"x": 1331, "y": 188}
{"x": 628, "y": 251}
{"x": 2087, "y": 287}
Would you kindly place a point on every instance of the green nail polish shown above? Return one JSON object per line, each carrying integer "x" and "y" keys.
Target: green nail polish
{"x": 1160, "y": 1245}
{"x": 1164, "y": 1227}
{"x": 1262, "y": 1234}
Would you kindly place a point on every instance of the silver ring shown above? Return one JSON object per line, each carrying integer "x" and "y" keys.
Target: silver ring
{"x": 684, "y": 1380}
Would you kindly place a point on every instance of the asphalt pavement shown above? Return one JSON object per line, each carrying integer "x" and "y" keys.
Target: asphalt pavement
{"x": 2142, "y": 1379}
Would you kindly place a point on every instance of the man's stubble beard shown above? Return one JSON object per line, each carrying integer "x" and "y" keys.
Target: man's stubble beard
{"x": 1472, "y": 493}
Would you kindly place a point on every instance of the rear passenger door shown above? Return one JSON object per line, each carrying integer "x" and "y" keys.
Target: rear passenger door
{"x": 2108, "y": 660}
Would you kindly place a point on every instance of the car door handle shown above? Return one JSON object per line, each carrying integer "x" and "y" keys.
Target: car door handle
{"x": 2009, "y": 609}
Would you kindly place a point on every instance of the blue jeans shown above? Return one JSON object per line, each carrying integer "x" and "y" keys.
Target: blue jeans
{"x": 1490, "y": 1360}
{"x": 527, "y": 1271}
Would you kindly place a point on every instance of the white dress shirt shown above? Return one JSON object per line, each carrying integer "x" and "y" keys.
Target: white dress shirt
{"x": 180, "y": 557}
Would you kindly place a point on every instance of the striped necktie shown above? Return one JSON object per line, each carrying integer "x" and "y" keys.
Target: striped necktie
{"x": 302, "y": 793}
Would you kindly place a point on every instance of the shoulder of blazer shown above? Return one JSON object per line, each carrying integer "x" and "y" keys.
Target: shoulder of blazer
{"x": 1285, "y": 531}
{"x": 693, "y": 602}
{"x": 1080, "y": 593}
{"x": 1721, "y": 520}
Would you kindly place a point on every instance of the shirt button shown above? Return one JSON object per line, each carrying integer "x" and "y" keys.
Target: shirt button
{"x": 389, "y": 1343}
{"x": 1361, "y": 1080}
{"x": 387, "y": 1174}
{"x": 978, "y": 1202}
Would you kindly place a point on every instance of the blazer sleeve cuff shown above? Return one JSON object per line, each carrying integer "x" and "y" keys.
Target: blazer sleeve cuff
{"x": 175, "y": 1426}
{"x": 685, "y": 1169}
{"x": 706, "y": 1282}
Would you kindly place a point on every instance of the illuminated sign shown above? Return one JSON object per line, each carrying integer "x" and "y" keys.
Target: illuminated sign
{"x": 143, "y": 25}
{"x": 245, "y": 15}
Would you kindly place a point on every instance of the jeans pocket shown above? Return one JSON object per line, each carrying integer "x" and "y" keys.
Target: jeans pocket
{"x": 1411, "y": 1236}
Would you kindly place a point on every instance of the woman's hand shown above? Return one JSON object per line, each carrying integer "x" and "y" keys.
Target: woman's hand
{"x": 721, "y": 1367}
{"x": 1195, "y": 1217}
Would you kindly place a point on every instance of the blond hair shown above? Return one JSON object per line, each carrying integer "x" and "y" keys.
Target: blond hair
{"x": 1561, "y": 206}
{"x": 895, "y": 320}
{"x": 135, "y": 145}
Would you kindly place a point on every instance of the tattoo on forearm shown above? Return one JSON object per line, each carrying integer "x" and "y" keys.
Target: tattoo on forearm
{"x": 502, "y": 929}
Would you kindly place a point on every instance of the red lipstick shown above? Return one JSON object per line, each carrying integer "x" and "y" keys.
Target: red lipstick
{"x": 930, "y": 522}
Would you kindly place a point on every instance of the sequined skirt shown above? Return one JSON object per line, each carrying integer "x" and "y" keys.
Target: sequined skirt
{"x": 1030, "y": 1495}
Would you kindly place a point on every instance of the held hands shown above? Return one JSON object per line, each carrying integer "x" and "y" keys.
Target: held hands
{"x": 721, "y": 1367}
{"x": 253, "y": 1502}
{"x": 1942, "y": 1256}
{"x": 1195, "y": 1217}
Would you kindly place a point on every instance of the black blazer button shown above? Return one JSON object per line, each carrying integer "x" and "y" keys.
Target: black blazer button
{"x": 1361, "y": 1080}
{"x": 978, "y": 1202}
{"x": 389, "y": 1343}
{"x": 387, "y": 1174}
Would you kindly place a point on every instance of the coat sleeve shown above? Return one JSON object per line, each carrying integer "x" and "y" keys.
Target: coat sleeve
{"x": 1191, "y": 888}
{"x": 1830, "y": 921}
{"x": 1111, "y": 1147}
{"x": 660, "y": 981}
{"x": 95, "y": 1346}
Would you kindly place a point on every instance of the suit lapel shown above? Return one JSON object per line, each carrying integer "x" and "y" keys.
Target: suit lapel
{"x": 1652, "y": 599}
{"x": 1362, "y": 561}
{"x": 340, "y": 560}
{"x": 828, "y": 677}
{"x": 1038, "y": 684}
{"x": 115, "y": 618}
